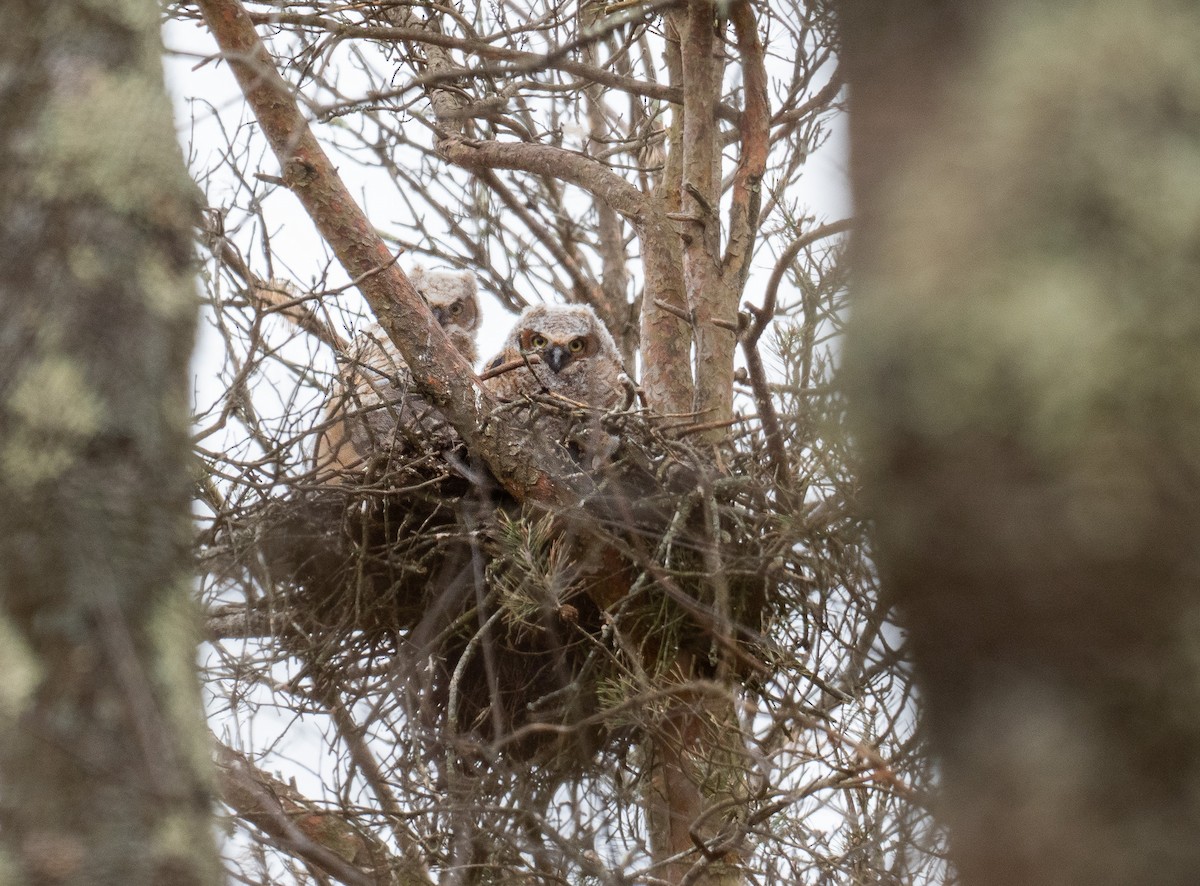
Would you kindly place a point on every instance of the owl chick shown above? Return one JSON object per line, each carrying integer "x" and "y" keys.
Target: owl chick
{"x": 453, "y": 298}
{"x": 566, "y": 352}
{"x": 374, "y": 407}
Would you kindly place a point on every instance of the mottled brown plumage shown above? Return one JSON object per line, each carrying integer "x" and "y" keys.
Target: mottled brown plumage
{"x": 374, "y": 407}
{"x": 566, "y": 352}
{"x": 563, "y": 357}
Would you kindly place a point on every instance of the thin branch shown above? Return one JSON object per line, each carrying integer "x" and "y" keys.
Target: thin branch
{"x": 764, "y": 315}
{"x": 523, "y": 61}
{"x": 270, "y": 294}
{"x": 777, "y": 449}
{"x": 302, "y": 828}
{"x": 584, "y": 288}
{"x": 441, "y": 374}
{"x": 824, "y": 97}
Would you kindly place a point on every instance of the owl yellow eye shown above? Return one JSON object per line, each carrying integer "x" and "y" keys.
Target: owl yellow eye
{"x": 538, "y": 341}
{"x": 576, "y": 345}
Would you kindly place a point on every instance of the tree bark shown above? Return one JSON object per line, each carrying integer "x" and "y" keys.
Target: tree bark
{"x": 698, "y": 794}
{"x": 526, "y": 468}
{"x": 711, "y": 300}
{"x": 103, "y": 756}
{"x": 1024, "y": 358}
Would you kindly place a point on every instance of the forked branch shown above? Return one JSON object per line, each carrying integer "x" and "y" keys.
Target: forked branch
{"x": 318, "y": 836}
{"x": 441, "y": 374}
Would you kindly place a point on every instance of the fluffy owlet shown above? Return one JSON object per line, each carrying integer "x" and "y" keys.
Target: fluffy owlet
{"x": 373, "y": 408}
{"x": 564, "y": 354}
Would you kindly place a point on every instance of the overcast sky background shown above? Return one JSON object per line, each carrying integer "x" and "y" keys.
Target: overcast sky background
{"x": 209, "y": 106}
{"x": 203, "y": 94}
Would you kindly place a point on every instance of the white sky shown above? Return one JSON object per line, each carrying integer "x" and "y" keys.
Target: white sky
{"x": 208, "y": 98}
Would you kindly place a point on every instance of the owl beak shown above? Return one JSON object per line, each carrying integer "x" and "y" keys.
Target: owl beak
{"x": 439, "y": 314}
{"x": 556, "y": 357}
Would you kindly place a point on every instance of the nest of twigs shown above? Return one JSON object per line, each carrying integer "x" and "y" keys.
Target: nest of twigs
{"x": 518, "y": 632}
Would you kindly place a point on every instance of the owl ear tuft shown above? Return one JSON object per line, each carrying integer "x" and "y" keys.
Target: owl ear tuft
{"x": 417, "y": 276}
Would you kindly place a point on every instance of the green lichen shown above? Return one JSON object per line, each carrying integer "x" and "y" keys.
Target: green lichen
{"x": 138, "y": 16}
{"x": 109, "y": 139}
{"x": 21, "y": 677}
{"x": 86, "y": 264}
{"x": 10, "y": 873}
{"x": 1042, "y": 253}
{"x": 174, "y": 636}
{"x": 168, "y": 294}
{"x": 185, "y": 839}
{"x": 51, "y": 410}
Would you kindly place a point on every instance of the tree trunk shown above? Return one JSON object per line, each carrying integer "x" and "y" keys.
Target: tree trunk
{"x": 710, "y": 297}
{"x": 103, "y": 752}
{"x": 698, "y": 792}
{"x": 1025, "y": 356}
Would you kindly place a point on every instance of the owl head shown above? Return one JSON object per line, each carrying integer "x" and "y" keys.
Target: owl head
{"x": 453, "y": 298}
{"x": 561, "y": 335}
{"x": 574, "y": 356}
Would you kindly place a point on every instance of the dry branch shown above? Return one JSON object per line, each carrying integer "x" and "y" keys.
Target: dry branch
{"x": 440, "y": 373}
{"x": 776, "y": 443}
{"x": 311, "y": 832}
{"x": 522, "y": 61}
{"x": 273, "y": 295}
{"x": 754, "y": 129}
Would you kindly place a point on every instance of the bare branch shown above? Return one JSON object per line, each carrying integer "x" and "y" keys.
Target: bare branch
{"x": 524, "y": 61}
{"x": 439, "y": 371}
{"x": 764, "y": 315}
{"x": 304, "y": 829}
{"x": 570, "y": 166}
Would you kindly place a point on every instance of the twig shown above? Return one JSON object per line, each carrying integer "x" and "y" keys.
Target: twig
{"x": 764, "y": 315}
{"x": 509, "y": 366}
{"x": 534, "y": 61}
{"x": 530, "y": 470}
{"x": 275, "y": 808}
{"x": 266, "y": 293}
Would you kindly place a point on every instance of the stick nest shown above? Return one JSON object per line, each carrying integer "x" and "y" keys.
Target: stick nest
{"x": 515, "y": 633}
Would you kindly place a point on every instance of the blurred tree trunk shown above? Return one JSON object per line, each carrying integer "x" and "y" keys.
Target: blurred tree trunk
{"x": 1026, "y": 358}
{"x": 102, "y": 746}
